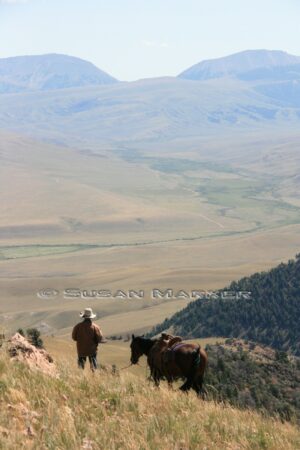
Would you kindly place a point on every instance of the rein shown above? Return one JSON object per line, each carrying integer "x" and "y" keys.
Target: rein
{"x": 126, "y": 367}
{"x": 131, "y": 364}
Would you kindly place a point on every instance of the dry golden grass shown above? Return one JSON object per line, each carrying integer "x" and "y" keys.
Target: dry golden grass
{"x": 81, "y": 410}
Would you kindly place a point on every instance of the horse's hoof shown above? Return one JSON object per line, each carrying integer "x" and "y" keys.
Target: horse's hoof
{"x": 183, "y": 389}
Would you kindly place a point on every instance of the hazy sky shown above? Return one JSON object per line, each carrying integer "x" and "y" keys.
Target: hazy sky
{"x": 134, "y": 39}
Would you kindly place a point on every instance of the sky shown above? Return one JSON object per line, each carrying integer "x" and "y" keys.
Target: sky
{"x": 133, "y": 39}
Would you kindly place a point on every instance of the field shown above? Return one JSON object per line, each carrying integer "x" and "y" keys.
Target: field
{"x": 125, "y": 219}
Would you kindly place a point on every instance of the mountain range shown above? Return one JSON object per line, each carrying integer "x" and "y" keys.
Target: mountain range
{"x": 58, "y": 71}
{"x": 67, "y": 100}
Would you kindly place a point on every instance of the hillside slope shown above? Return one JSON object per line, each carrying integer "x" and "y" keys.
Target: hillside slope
{"x": 155, "y": 111}
{"x": 47, "y": 72}
{"x": 104, "y": 411}
{"x": 251, "y": 376}
{"x": 270, "y": 316}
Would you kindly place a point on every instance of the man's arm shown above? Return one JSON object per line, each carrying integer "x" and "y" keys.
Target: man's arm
{"x": 74, "y": 333}
{"x": 98, "y": 334}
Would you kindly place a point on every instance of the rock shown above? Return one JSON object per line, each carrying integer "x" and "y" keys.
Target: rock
{"x": 20, "y": 349}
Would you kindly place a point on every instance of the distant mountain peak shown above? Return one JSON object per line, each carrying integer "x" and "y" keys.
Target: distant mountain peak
{"x": 242, "y": 62}
{"x": 47, "y": 72}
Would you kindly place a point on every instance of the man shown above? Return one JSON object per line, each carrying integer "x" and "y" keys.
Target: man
{"x": 87, "y": 336}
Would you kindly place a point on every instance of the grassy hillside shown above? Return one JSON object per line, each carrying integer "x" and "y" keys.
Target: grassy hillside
{"x": 122, "y": 411}
{"x": 269, "y": 316}
{"x": 157, "y": 110}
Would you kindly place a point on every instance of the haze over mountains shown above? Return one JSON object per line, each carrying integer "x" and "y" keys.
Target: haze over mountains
{"x": 80, "y": 103}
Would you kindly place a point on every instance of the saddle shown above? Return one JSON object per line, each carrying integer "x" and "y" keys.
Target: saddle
{"x": 169, "y": 352}
{"x": 165, "y": 343}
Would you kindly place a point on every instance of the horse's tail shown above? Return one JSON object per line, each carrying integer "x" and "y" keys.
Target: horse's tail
{"x": 196, "y": 358}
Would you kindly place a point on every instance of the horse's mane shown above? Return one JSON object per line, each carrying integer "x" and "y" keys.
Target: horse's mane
{"x": 146, "y": 343}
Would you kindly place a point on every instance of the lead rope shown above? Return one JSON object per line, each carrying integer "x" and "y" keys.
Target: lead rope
{"x": 126, "y": 367}
{"x": 136, "y": 364}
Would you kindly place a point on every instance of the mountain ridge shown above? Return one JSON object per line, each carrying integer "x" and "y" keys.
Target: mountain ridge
{"x": 48, "y": 72}
{"x": 239, "y": 63}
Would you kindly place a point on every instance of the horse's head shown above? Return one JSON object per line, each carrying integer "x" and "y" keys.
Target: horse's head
{"x": 137, "y": 349}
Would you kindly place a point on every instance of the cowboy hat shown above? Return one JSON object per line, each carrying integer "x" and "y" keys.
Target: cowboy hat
{"x": 87, "y": 314}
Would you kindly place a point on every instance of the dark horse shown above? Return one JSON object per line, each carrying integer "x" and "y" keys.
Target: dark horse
{"x": 182, "y": 361}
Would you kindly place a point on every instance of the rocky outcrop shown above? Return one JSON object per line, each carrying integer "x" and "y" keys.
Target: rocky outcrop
{"x": 19, "y": 349}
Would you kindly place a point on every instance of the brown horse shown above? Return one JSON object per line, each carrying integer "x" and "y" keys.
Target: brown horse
{"x": 181, "y": 361}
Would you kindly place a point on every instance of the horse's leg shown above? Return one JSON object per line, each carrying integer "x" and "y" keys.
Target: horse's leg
{"x": 186, "y": 386}
{"x": 188, "y": 383}
{"x": 199, "y": 381}
{"x": 156, "y": 381}
{"x": 195, "y": 384}
{"x": 196, "y": 387}
{"x": 201, "y": 392}
{"x": 192, "y": 374}
{"x": 165, "y": 372}
{"x": 156, "y": 377}
{"x": 154, "y": 374}
{"x": 170, "y": 382}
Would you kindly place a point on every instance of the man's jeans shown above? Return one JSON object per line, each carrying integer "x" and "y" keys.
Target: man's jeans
{"x": 92, "y": 360}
